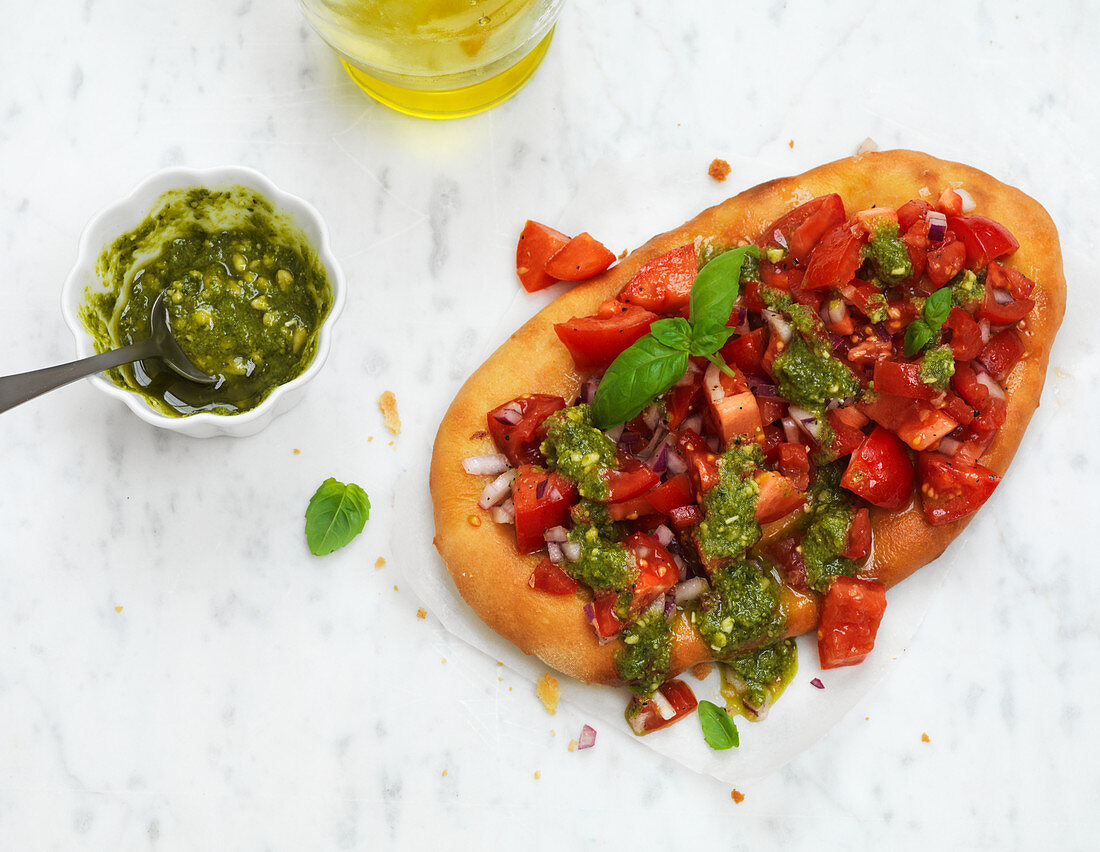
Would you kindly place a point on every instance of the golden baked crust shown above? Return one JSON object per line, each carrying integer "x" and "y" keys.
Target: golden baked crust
{"x": 482, "y": 559}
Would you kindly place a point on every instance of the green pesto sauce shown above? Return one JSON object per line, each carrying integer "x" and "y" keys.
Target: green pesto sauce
{"x": 577, "y": 449}
{"x": 937, "y": 366}
{"x": 829, "y": 516}
{"x": 756, "y": 679}
{"x": 604, "y": 563}
{"x": 804, "y": 320}
{"x": 729, "y": 525}
{"x": 888, "y": 254}
{"x": 809, "y": 379}
{"x": 967, "y": 288}
{"x": 646, "y": 656}
{"x": 245, "y": 294}
{"x": 742, "y": 606}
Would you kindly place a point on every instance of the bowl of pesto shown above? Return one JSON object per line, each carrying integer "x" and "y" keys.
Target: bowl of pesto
{"x": 250, "y": 282}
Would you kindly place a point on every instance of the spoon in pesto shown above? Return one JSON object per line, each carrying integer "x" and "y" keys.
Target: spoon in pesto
{"x": 160, "y": 343}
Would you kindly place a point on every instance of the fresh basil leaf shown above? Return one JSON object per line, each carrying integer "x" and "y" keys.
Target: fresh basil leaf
{"x": 640, "y": 374}
{"x": 716, "y": 288}
{"x": 717, "y": 361}
{"x": 937, "y": 307}
{"x": 718, "y": 728}
{"x": 916, "y": 337}
{"x": 335, "y": 515}
{"x": 674, "y": 332}
{"x": 706, "y": 342}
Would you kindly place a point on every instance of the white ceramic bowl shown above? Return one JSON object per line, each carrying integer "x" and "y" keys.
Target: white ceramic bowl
{"x": 123, "y": 216}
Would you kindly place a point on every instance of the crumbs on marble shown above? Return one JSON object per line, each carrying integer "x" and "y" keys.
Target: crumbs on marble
{"x": 388, "y": 403}
{"x": 379, "y": 562}
{"x": 719, "y": 169}
{"x": 737, "y": 796}
{"x": 421, "y": 613}
{"x": 549, "y": 691}
{"x": 538, "y": 775}
{"x": 572, "y": 745}
{"x": 396, "y": 589}
{"x": 297, "y": 452}
{"x": 118, "y": 609}
{"x": 443, "y": 662}
{"x": 790, "y": 143}
{"x": 444, "y": 773}
{"x": 924, "y": 738}
{"x": 701, "y": 670}
{"x": 623, "y": 253}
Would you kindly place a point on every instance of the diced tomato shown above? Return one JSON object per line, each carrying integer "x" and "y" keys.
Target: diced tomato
{"x": 629, "y": 480}
{"x": 596, "y": 341}
{"x": 838, "y": 320}
{"x": 880, "y": 471}
{"x": 974, "y": 443}
{"x": 663, "y": 284}
{"x": 645, "y": 717}
{"x": 737, "y": 416}
{"x": 900, "y": 379}
{"x": 803, "y": 227}
{"x": 771, "y": 408}
{"x": 950, "y": 203}
{"x": 685, "y": 517}
{"x": 966, "y": 336}
{"x": 632, "y": 509}
{"x": 846, "y": 437}
{"x": 850, "y": 618}
{"x": 682, "y": 400}
{"x": 775, "y": 348}
{"x": 950, "y": 488}
{"x": 865, "y": 296}
{"x": 837, "y": 257}
{"x": 848, "y": 415}
{"x": 958, "y": 409}
{"x": 876, "y": 217}
{"x": 991, "y": 409}
{"x": 944, "y": 261}
{"x": 912, "y": 212}
{"x": 606, "y": 621}
{"x": 784, "y": 275}
{"x": 579, "y": 259}
{"x": 655, "y": 571}
{"x": 787, "y": 556}
{"x": 794, "y": 463}
{"x": 520, "y": 441}
{"x": 859, "y": 535}
{"x": 1001, "y": 353}
{"x": 671, "y": 494}
{"x": 773, "y": 437}
{"x": 540, "y": 506}
{"x": 550, "y": 578}
{"x": 702, "y": 464}
{"x": 900, "y": 312}
{"x": 985, "y": 239}
{"x": 536, "y": 245}
{"x": 778, "y": 497}
{"x": 913, "y": 420}
{"x": 1012, "y": 280}
{"x": 746, "y": 352}
{"x": 998, "y": 279}
{"x": 916, "y": 246}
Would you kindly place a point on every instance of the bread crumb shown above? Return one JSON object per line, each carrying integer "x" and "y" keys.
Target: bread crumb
{"x": 379, "y": 562}
{"x": 297, "y": 452}
{"x": 702, "y": 670}
{"x": 624, "y": 253}
{"x": 118, "y": 609}
{"x": 388, "y": 403}
{"x": 790, "y": 143}
{"x": 499, "y": 663}
{"x": 867, "y": 146}
{"x": 737, "y": 796}
{"x": 421, "y": 613}
{"x": 538, "y": 775}
{"x": 572, "y": 745}
{"x": 719, "y": 170}
{"x": 395, "y": 588}
{"x": 548, "y": 690}
{"x": 444, "y": 773}
{"x": 443, "y": 662}
{"x": 370, "y": 438}
{"x": 924, "y": 738}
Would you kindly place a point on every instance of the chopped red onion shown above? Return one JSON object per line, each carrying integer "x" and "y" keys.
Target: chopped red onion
{"x": 949, "y": 446}
{"x": 510, "y": 415}
{"x": 614, "y": 433}
{"x": 540, "y": 489}
{"x": 681, "y": 565}
{"x": 488, "y": 465}
{"x": 670, "y": 604}
{"x": 689, "y": 376}
{"x": 694, "y": 423}
{"x": 764, "y": 391}
{"x": 554, "y": 551}
{"x": 790, "y": 430}
{"x": 652, "y": 415}
{"x": 654, "y": 443}
{"x": 689, "y": 590}
{"x": 779, "y": 238}
{"x": 571, "y": 550}
{"x": 995, "y": 390}
{"x": 660, "y": 461}
{"x": 628, "y": 439}
{"x": 587, "y": 738}
{"x": 505, "y": 513}
{"x": 968, "y": 202}
{"x": 663, "y": 534}
{"x": 882, "y": 332}
{"x": 664, "y": 707}
{"x": 816, "y": 683}
{"x": 779, "y": 325}
{"x": 805, "y": 421}
{"x": 1002, "y": 297}
{"x": 556, "y": 534}
{"x": 983, "y": 327}
{"x": 588, "y": 389}
{"x": 497, "y": 490}
{"x": 712, "y": 381}
{"x": 836, "y": 312}
{"x": 553, "y": 494}
{"x": 937, "y": 225}
{"x": 676, "y": 465}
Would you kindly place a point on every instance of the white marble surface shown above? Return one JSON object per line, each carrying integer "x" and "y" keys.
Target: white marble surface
{"x": 249, "y": 696}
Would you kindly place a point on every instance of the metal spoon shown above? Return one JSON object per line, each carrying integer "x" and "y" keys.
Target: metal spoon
{"x": 159, "y": 344}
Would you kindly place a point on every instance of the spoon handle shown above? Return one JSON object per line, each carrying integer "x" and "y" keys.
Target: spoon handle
{"x": 17, "y": 389}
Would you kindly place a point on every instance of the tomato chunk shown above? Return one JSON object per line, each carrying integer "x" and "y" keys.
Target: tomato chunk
{"x": 646, "y": 715}
{"x": 859, "y": 536}
{"x": 778, "y": 497}
{"x": 985, "y": 239}
{"x": 880, "y": 471}
{"x": 850, "y": 618}
{"x": 671, "y": 494}
{"x": 1010, "y": 307}
{"x": 1001, "y": 353}
{"x": 536, "y": 245}
{"x": 579, "y": 259}
{"x": 794, "y": 463}
{"x": 944, "y": 262}
{"x": 898, "y": 379}
{"x": 550, "y": 578}
{"x": 912, "y": 212}
{"x": 604, "y": 620}
{"x": 596, "y": 341}
{"x": 801, "y": 229}
{"x": 966, "y": 336}
{"x": 655, "y": 570}
{"x": 629, "y": 480}
{"x": 738, "y": 416}
{"x": 951, "y": 489}
{"x": 837, "y": 257}
{"x": 746, "y": 352}
{"x": 542, "y": 500}
{"x": 518, "y": 427}
{"x": 663, "y": 284}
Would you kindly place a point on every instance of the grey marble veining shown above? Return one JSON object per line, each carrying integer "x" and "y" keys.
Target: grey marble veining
{"x": 178, "y": 672}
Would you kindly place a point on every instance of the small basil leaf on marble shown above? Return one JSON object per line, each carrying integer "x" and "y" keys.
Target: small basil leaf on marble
{"x": 718, "y": 729}
{"x": 641, "y": 373}
{"x": 715, "y": 290}
{"x": 335, "y": 515}
{"x": 674, "y": 332}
